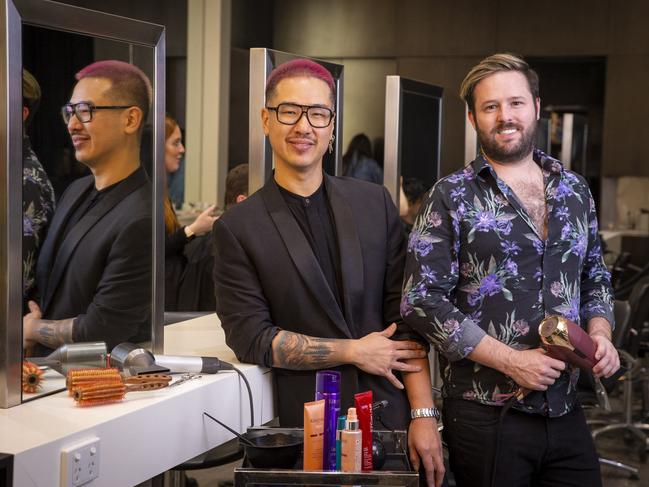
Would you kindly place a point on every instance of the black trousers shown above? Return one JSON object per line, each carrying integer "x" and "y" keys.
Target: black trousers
{"x": 534, "y": 450}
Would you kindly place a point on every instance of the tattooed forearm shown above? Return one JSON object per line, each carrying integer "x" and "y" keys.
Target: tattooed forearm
{"x": 53, "y": 333}
{"x": 301, "y": 352}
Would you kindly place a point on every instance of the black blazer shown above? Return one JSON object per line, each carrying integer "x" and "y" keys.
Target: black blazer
{"x": 101, "y": 273}
{"x": 267, "y": 278}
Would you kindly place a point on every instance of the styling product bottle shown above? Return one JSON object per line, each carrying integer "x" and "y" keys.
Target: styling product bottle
{"x": 342, "y": 424}
{"x": 313, "y": 434}
{"x": 363, "y": 403}
{"x": 351, "y": 439}
{"x": 328, "y": 388}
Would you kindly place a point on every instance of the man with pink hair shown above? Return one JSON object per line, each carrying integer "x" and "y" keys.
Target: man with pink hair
{"x": 308, "y": 273}
{"x": 94, "y": 270}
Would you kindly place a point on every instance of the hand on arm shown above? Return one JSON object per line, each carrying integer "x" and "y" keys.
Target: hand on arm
{"x": 204, "y": 221}
{"x": 607, "y": 356}
{"x": 424, "y": 442}
{"x": 530, "y": 369}
{"x": 51, "y": 333}
{"x": 374, "y": 353}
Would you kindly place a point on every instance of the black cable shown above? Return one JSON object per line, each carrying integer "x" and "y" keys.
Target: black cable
{"x": 252, "y": 409}
{"x": 228, "y": 366}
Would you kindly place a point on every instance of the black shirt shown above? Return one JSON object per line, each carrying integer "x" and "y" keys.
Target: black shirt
{"x": 313, "y": 215}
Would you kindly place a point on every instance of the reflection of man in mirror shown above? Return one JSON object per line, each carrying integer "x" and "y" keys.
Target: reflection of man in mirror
{"x": 308, "y": 271}
{"x": 94, "y": 270}
{"x": 38, "y": 194}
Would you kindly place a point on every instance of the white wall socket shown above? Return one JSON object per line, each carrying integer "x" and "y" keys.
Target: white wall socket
{"x": 80, "y": 463}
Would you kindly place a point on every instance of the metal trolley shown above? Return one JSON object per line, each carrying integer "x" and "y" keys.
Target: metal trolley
{"x": 395, "y": 472}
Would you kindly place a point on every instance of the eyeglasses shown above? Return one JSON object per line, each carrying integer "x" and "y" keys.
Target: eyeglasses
{"x": 84, "y": 110}
{"x": 290, "y": 114}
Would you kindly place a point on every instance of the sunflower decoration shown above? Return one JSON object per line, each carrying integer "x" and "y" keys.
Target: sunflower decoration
{"x": 32, "y": 377}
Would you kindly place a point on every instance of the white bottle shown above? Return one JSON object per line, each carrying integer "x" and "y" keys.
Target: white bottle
{"x": 351, "y": 439}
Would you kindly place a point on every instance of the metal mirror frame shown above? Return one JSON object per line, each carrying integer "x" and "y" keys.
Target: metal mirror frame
{"x": 260, "y": 156}
{"x": 77, "y": 20}
{"x": 395, "y": 87}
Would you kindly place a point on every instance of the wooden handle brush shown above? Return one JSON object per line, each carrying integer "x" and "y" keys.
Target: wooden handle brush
{"x": 91, "y": 387}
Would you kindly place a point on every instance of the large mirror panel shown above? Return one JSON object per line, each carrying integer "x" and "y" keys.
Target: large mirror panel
{"x": 67, "y": 259}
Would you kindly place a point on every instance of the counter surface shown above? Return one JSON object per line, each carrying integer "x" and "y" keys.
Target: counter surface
{"x": 148, "y": 432}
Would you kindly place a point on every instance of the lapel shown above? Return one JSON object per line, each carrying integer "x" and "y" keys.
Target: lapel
{"x": 301, "y": 253}
{"x": 63, "y": 211}
{"x": 92, "y": 217}
{"x": 351, "y": 257}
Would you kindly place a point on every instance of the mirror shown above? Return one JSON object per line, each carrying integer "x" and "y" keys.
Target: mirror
{"x": 54, "y": 41}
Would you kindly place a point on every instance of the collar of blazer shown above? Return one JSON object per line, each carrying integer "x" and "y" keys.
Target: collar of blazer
{"x": 351, "y": 258}
{"x": 60, "y": 261}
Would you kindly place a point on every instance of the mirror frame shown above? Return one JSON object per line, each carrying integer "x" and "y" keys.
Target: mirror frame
{"x": 77, "y": 20}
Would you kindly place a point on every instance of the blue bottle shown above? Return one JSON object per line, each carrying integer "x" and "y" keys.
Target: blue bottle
{"x": 328, "y": 388}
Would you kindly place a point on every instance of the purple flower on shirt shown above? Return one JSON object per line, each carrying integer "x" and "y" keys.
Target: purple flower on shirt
{"x": 511, "y": 267}
{"x": 490, "y": 285}
{"x": 521, "y": 327}
{"x": 565, "y": 231}
{"x": 434, "y": 219}
{"x": 428, "y": 274}
{"x": 562, "y": 190}
{"x": 451, "y": 326}
{"x": 458, "y": 193}
{"x": 562, "y": 213}
{"x": 538, "y": 246}
{"x": 28, "y": 227}
{"x": 510, "y": 248}
{"x": 484, "y": 221}
{"x": 556, "y": 288}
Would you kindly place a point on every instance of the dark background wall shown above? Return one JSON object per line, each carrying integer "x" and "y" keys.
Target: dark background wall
{"x": 438, "y": 41}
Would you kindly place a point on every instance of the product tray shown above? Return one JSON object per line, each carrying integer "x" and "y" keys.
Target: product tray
{"x": 395, "y": 472}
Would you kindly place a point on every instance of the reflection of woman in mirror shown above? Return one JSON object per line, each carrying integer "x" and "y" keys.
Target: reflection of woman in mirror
{"x": 38, "y": 194}
{"x": 177, "y": 236}
{"x": 358, "y": 162}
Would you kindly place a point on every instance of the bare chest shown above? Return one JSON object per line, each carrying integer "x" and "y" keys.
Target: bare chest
{"x": 531, "y": 194}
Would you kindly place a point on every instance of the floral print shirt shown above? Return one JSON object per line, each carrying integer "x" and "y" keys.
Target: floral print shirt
{"x": 477, "y": 265}
{"x": 38, "y": 208}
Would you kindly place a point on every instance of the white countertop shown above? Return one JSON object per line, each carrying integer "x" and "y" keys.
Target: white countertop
{"x": 148, "y": 432}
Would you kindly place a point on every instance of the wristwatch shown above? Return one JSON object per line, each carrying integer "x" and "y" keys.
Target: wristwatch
{"x": 188, "y": 233}
{"x": 425, "y": 413}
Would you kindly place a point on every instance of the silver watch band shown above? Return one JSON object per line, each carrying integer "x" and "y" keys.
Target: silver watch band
{"x": 425, "y": 413}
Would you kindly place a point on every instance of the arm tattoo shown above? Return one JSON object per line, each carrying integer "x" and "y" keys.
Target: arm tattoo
{"x": 54, "y": 333}
{"x": 301, "y": 352}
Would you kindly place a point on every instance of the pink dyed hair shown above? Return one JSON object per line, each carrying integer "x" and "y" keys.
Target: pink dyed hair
{"x": 128, "y": 82}
{"x": 297, "y": 68}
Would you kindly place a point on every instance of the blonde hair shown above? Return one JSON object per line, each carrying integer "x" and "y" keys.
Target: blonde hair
{"x": 493, "y": 64}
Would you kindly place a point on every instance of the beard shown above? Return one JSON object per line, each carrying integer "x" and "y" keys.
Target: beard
{"x": 498, "y": 152}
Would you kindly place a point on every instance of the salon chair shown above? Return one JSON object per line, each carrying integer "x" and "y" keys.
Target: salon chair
{"x": 627, "y": 338}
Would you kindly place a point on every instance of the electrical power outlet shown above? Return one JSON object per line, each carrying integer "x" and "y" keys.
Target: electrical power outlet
{"x": 80, "y": 463}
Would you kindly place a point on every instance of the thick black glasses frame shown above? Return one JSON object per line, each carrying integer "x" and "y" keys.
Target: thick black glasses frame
{"x": 71, "y": 108}
{"x": 305, "y": 110}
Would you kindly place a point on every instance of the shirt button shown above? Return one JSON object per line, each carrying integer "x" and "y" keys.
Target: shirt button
{"x": 307, "y": 201}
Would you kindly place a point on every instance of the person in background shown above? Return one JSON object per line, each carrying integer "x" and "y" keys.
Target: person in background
{"x": 94, "y": 269}
{"x": 308, "y": 272}
{"x": 497, "y": 247}
{"x": 236, "y": 185}
{"x": 177, "y": 236}
{"x": 413, "y": 191}
{"x": 38, "y": 194}
{"x": 358, "y": 162}
{"x": 196, "y": 290}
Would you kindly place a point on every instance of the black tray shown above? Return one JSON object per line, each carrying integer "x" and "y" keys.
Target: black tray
{"x": 395, "y": 472}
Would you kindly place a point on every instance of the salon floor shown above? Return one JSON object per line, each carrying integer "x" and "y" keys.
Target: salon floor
{"x": 614, "y": 446}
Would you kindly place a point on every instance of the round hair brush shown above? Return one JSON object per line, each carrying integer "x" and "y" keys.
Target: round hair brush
{"x": 91, "y": 387}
